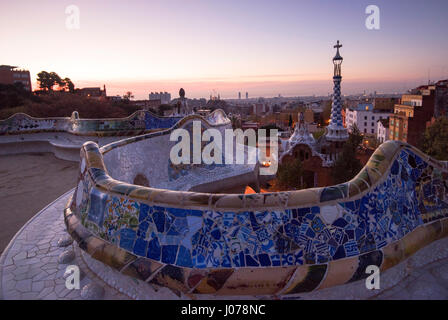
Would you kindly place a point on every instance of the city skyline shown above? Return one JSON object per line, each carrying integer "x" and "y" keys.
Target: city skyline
{"x": 260, "y": 47}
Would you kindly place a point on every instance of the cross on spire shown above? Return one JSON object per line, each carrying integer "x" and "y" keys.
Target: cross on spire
{"x": 337, "y": 46}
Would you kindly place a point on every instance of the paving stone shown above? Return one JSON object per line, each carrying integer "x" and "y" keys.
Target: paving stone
{"x": 24, "y": 285}
{"x": 426, "y": 288}
{"x": 30, "y": 296}
{"x": 37, "y": 286}
{"x": 49, "y": 283}
{"x": 44, "y": 292}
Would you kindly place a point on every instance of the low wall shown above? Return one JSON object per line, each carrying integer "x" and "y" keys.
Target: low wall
{"x": 275, "y": 243}
{"x": 64, "y": 137}
{"x": 137, "y": 123}
{"x": 63, "y": 152}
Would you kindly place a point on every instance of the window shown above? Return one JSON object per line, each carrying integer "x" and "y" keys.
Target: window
{"x": 365, "y": 124}
{"x": 373, "y": 117}
{"x": 365, "y": 118}
{"x": 365, "y": 130}
{"x": 373, "y": 124}
{"x": 373, "y": 131}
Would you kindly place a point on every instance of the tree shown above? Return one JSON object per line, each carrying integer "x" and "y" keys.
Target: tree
{"x": 128, "y": 96}
{"x": 69, "y": 85}
{"x": 326, "y": 113}
{"x": 435, "y": 139}
{"x": 355, "y": 137}
{"x": 236, "y": 122}
{"x": 57, "y": 79}
{"x": 289, "y": 174}
{"x": 347, "y": 165}
{"x": 45, "y": 80}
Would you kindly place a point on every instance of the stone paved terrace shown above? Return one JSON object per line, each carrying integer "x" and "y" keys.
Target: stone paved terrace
{"x": 33, "y": 266}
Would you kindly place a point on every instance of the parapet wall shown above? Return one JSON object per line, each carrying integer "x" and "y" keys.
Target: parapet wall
{"x": 137, "y": 123}
{"x": 274, "y": 243}
{"x": 64, "y": 137}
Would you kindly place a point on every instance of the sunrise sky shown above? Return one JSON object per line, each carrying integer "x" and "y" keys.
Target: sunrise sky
{"x": 263, "y": 47}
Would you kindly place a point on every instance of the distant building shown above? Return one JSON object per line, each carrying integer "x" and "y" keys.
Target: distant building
{"x": 259, "y": 108}
{"x": 93, "y": 92}
{"x": 114, "y": 98}
{"x": 146, "y": 104}
{"x": 239, "y": 95}
{"x": 365, "y": 117}
{"x": 382, "y": 134}
{"x": 249, "y": 125}
{"x": 412, "y": 115}
{"x": 441, "y": 103}
{"x": 164, "y": 97}
{"x": 247, "y": 95}
{"x": 12, "y": 75}
{"x": 309, "y": 116}
{"x": 385, "y": 104}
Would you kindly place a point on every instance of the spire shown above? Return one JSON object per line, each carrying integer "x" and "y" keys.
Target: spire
{"x": 301, "y": 134}
{"x": 336, "y": 130}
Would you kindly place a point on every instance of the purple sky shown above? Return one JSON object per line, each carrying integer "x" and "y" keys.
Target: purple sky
{"x": 263, "y": 47}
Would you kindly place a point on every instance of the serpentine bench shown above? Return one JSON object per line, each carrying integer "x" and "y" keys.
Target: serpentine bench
{"x": 255, "y": 244}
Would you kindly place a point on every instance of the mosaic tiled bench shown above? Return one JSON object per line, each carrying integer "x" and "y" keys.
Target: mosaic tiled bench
{"x": 137, "y": 123}
{"x": 261, "y": 244}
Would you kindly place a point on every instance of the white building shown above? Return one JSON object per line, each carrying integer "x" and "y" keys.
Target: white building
{"x": 164, "y": 97}
{"x": 382, "y": 134}
{"x": 365, "y": 118}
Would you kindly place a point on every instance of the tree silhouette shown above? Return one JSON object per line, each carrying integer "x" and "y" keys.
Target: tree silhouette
{"x": 128, "y": 96}
{"x": 347, "y": 165}
{"x": 47, "y": 80}
{"x": 435, "y": 139}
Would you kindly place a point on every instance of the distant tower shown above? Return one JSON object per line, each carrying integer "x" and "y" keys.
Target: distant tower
{"x": 182, "y": 105}
{"x": 247, "y": 95}
{"x": 239, "y": 95}
{"x": 336, "y": 133}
